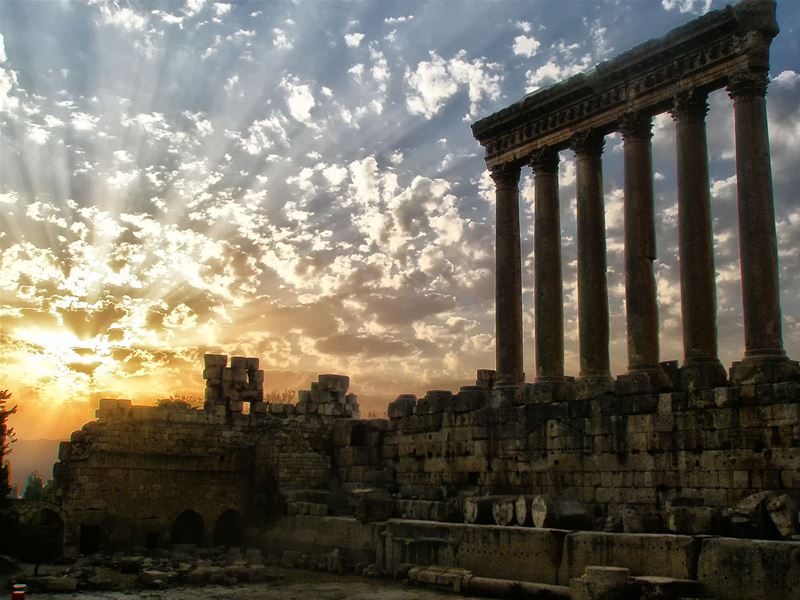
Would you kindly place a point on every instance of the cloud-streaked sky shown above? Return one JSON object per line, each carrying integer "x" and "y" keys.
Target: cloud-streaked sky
{"x": 298, "y": 181}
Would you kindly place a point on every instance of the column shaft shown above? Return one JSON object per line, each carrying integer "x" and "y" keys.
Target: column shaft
{"x": 640, "y": 245}
{"x": 757, "y": 239}
{"x": 696, "y": 243}
{"x": 593, "y": 328}
{"x": 508, "y": 278}
{"x": 548, "y": 298}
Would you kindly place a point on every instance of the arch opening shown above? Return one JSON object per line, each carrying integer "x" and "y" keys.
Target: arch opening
{"x": 228, "y": 530}
{"x": 46, "y": 531}
{"x": 188, "y": 529}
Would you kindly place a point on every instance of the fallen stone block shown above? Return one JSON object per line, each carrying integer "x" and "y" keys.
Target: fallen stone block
{"x": 783, "y": 512}
{"x": 560, "y": 512}
{"x": 736, "y": 569}
{"x": 750, "y": 518}
{"x": 663, "y": 555}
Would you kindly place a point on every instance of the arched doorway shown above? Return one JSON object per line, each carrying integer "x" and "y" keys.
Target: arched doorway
{"x": 188, "y": 529}
{"x": 228, "y": 530}
{"x": 47, "y": 533}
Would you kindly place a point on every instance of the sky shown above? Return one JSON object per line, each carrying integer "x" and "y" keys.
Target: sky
{"x": 297, "y": 181}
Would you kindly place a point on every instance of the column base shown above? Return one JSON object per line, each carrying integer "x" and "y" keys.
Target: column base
{"x": 753, "y": 370}
{"x": 544, "y": 391}
{"x": 643, "y": 381}
{"x": 507, "y": 394}
{"x": 702, "y": 375}
{"x": 592, "y": 386}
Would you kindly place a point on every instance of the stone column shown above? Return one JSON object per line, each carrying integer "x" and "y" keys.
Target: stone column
{"x": 640, "y": 251}
{"x": 764, "y": 357}
{"x": 508, "y": 278}
{"x": 547, "y": 283}
{"x": 593, "y": 328}
{"x": 702, "y": 368}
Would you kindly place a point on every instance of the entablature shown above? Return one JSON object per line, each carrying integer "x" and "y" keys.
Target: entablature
{"x": 699, "y": 56}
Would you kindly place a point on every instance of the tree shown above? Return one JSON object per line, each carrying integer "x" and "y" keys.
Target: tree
{"x": 8, "y": 522}
{"x": 33, "y": 487}
{"x": 180, "y": 402}
{"x": 6, "y": 439}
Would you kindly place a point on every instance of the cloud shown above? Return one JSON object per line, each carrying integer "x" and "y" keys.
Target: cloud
{"x": 353, "y": 40}
{"x": 525, "y": 45}
{"x": 685, "y": 6}
{"x": 300, "y": 100}
{"x": 125, "y": 18}
{"x": 435, "y": 81}
{"x": 282, "y": 40}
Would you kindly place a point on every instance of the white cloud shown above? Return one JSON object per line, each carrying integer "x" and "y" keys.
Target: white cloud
{"x": 263, "y": 134}
{"x": 357, "y": 71}
{"x": 38, "y": 134}
{"x": 353, "y": 40}
{"x": 525, "y": 45}
{"x": 9, "y": 198}
{"x": 194, "y": 6}
{"x": 551, "y": 72}
{"x": 222, "y": 8}
{"x": 300, "y": 99}
{"x": 169, "y": 18}
{"x": 393, "y": 20}
{"x": 83, "y": 122}
{"x": 2, "y": 49}
{"x": 524, "y": 26}
{"x": 52, "y": 121}
{"x": 122, "y": 155}
{"x": 124, "y": 18}
{"x": 435, "y": 81}
{"x": 281, "y": 40}
{"x": 685, "y": 6}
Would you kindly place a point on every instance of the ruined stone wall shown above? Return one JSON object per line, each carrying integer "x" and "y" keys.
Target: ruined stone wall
{"x": 704, "y": 448}
{"x": 130, "y": 474}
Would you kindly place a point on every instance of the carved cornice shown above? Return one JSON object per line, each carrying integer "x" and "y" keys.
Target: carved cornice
{"x": 635, "y": 126}
{"x": 701, "y": 55}
{"x": 747, "y": 84}
{"x": 689, "y": 104}
{"x": 505, "y": 175}
{"x": 544, "y": 160}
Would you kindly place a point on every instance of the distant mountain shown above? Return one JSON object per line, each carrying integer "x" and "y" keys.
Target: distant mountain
{"x": 28, "y": 456}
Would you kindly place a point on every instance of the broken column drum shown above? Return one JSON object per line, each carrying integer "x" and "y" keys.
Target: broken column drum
{"x": 724, "y": 49}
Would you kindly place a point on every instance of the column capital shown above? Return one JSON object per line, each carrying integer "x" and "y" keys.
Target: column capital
{"x": 689, "y": 104}
{"x": 544, "y": 160}
{"x": 588, "y": 143}
{"x": 505, "y": 175}
{"x": 636, "y": 126}
{"x": 747, "y": 84}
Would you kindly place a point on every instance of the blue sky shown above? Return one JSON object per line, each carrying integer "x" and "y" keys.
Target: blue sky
{"x": 298, "y": 181}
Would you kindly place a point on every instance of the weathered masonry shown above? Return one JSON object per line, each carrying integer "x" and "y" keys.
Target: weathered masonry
{"x": 727, "y": 48}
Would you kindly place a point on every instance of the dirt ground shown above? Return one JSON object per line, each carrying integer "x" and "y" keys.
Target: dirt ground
{"x": 293, "y": 585}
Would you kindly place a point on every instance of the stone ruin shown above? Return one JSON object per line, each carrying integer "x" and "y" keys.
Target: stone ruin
{"x": 667, "y": 482}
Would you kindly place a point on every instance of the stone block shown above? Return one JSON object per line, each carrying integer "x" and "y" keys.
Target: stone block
{"x": 239, "y": 362}
{"x": 214, "y": 360}
{"x": 236, "y": 406}
{"x": 234, "y": 375}
{"x": 750, "y": 569}
{"x": 255, "y": 377}
{"x": 644, "y": 554}
{"x": 212, "y": 373}
{"x": 692, "y": 520}
{"x": 334, "y": 383}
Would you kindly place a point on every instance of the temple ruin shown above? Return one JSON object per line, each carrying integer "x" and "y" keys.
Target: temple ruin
{"x": 667, "y": 482}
